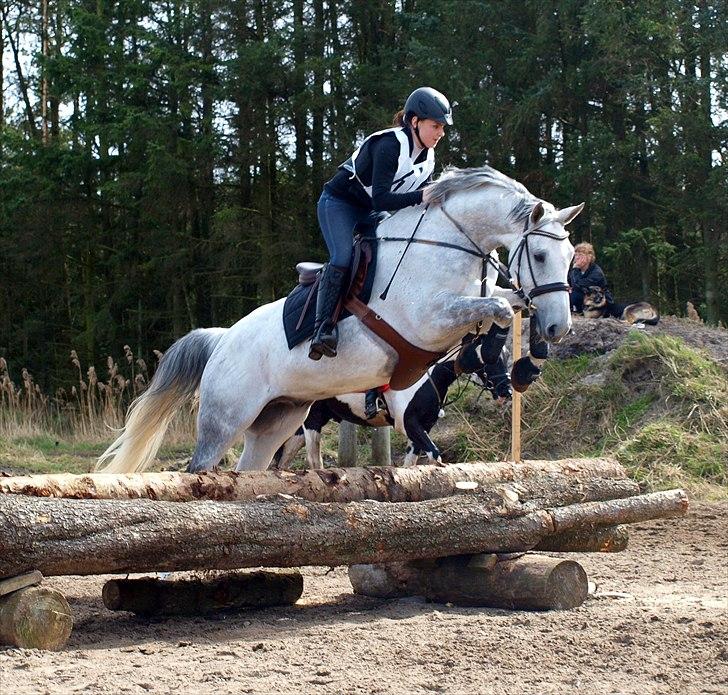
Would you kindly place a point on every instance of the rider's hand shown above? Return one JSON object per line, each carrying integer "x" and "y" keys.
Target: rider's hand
{"x": 426, "y": 193}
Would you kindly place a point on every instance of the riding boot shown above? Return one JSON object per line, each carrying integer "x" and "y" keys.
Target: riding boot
{"x": 326, "y": 334}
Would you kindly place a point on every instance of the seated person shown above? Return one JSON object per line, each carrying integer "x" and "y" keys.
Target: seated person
{"x": 585, "y": 273}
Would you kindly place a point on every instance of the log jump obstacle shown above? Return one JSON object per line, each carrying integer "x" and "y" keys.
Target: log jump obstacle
{"x": 448, "y": 533}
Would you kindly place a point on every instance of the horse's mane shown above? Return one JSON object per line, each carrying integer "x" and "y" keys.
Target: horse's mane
{"x": 453, "y": 180}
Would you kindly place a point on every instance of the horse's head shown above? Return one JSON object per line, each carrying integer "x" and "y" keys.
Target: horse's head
{"x": 539, "y": 263}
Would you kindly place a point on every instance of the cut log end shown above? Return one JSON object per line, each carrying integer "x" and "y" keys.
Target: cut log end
{"x": 35, "y": 618}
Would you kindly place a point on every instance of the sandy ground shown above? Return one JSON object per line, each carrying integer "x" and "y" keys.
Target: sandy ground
{"x": 658, "y": 623}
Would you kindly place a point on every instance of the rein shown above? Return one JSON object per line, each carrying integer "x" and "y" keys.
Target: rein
{"x": 503, "y": 271}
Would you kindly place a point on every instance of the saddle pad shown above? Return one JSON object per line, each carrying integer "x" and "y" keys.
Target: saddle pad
{"x": 297, "y": 299}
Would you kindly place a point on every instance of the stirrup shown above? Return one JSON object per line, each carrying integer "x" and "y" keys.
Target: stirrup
{"x": 320, "y": 347}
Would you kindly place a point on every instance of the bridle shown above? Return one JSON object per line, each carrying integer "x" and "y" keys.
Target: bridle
{"x": 504, "y": 271}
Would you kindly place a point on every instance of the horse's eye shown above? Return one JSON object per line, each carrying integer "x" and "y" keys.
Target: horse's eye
{"x": 539, "y": 257}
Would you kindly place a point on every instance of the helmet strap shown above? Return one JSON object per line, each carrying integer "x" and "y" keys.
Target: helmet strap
{"x": 416, "y": 130}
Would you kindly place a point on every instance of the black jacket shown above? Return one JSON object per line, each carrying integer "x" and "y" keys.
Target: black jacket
{"x": 376, "y": 166}
{"x": 593, "y": 276}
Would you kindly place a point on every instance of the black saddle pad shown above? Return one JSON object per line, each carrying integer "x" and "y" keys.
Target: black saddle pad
{"x": 296, "y": 300}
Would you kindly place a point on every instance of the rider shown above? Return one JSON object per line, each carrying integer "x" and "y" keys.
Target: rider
{"x": 386, "y": 172}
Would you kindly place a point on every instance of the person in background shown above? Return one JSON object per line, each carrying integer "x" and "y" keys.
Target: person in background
{"x": 585, "y": 273}
{"x": 386, "y": 172}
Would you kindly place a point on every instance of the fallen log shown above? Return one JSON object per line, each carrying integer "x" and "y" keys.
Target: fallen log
{"x": 232, "y": 592}
{"x": 530, "y": 582}
{"x": 602, "y": 539}
{"x": 35, "y": 618}
{"x": 62, "y": 536}
{"x": 330, "y": 485}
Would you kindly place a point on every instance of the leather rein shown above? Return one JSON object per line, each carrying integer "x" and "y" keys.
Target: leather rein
{"x": 503, "y": 270}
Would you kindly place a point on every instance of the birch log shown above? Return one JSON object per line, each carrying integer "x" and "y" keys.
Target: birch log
{"x": 330, "y": 485}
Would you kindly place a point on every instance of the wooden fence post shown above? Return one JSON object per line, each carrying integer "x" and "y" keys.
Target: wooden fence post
{"x": 347, "y": 444}
{"x": 381, "y": 447}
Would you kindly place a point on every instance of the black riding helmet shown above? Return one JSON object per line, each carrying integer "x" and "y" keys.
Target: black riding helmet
{"x": 426, "y": 102}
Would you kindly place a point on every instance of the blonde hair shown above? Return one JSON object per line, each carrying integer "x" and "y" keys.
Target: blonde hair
{"x": 587, "y": 249}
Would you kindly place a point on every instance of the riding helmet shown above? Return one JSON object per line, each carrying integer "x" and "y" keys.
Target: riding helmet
{"x": 426, "y": 102}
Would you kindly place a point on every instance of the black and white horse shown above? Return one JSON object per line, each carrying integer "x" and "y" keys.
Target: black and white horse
{"x": 413, "y": 411}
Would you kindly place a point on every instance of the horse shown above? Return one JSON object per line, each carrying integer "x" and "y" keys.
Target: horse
{"x": 412, "y": 411}
{"x": 251, "y": 386}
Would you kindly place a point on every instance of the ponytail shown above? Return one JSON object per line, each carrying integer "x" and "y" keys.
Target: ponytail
{"x": 398, "y": 119}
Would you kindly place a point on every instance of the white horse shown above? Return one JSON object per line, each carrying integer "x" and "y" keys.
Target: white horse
{"x": 252, "y": 386}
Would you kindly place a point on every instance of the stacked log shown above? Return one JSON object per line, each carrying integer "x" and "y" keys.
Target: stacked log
{"x": 408, "y": 528}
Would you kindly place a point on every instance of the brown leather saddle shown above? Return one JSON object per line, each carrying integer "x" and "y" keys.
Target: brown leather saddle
{"x": 412, "y": 361}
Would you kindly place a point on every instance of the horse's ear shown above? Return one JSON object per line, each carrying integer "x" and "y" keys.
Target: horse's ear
{"x": 569, "y": 214}
{"x": 536, "y": 214}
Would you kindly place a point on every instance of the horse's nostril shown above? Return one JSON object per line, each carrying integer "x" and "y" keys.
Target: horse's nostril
{"x": 551, "y": 330}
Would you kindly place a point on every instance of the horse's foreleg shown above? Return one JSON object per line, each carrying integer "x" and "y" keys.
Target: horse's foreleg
{"x": 453, "y": 311}
{"x": 421, "y": 441}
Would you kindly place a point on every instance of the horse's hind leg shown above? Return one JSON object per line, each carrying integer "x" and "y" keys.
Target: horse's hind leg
{"x": 278, "y": 421}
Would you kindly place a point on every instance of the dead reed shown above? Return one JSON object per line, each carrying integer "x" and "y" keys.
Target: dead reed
{"x": 88, "y": 410}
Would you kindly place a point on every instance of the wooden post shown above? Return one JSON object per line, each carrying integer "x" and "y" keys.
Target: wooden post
{"x": 381, "y": 447}
{"x": 516, "y": 405}
{"x": 347, "y": 444}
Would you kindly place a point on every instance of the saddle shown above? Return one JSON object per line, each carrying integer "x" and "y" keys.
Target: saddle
{"x": 299, "y": 309}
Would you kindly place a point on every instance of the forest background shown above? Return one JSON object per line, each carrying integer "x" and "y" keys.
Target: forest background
{"x": 160, "y": 162}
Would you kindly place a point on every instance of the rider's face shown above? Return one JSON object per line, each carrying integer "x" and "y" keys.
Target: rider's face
{"x": 430, "y": 131}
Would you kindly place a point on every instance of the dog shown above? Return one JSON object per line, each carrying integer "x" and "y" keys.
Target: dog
{"x": 596, "y": 306}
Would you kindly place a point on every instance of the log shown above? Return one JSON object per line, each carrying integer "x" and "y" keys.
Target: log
{"x": 62, "y": 536}
{"x": 230, "y": 593}
{"x": 35, "y": 618}
{"x": 530, "y": 582}
{"x": 330, "y": 485}
{"x": 606, "y": 539}
{"x": 7, "y": 586}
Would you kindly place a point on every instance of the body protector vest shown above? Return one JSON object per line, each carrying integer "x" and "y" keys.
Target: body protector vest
{"x": 409, "y": 176}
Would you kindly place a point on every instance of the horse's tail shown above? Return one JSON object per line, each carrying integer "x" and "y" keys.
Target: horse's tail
{"x": 175, "y": 381}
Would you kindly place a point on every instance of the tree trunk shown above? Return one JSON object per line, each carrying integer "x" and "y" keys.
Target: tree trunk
{"x": 61, "y": 536}
{"x": 331, "y": 485}
{"x": 150, "y": 596}
{"x": 531, "y": 582}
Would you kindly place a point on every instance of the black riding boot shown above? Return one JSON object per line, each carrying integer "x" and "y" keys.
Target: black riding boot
{"x": 326, "y": 335}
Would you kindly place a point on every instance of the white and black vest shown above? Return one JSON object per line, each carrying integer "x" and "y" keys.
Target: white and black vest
{"x": 409, "y": 176}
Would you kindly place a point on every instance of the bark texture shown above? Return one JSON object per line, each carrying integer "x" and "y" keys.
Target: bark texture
{"x": 330, "y": 485}
{"x": 531, "y": 582}
{"x": 604, "y": 539}
{"x": 61, "y": 536}
{"x": 151, "y": 596}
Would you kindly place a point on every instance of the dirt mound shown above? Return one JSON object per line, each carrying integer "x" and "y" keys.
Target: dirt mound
{"x": 604, "y": 335}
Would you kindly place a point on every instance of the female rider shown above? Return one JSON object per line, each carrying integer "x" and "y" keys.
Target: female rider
{"x": 386, "y": 172}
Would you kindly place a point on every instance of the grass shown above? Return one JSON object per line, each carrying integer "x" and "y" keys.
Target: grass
{"x": 657, "y": 405}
